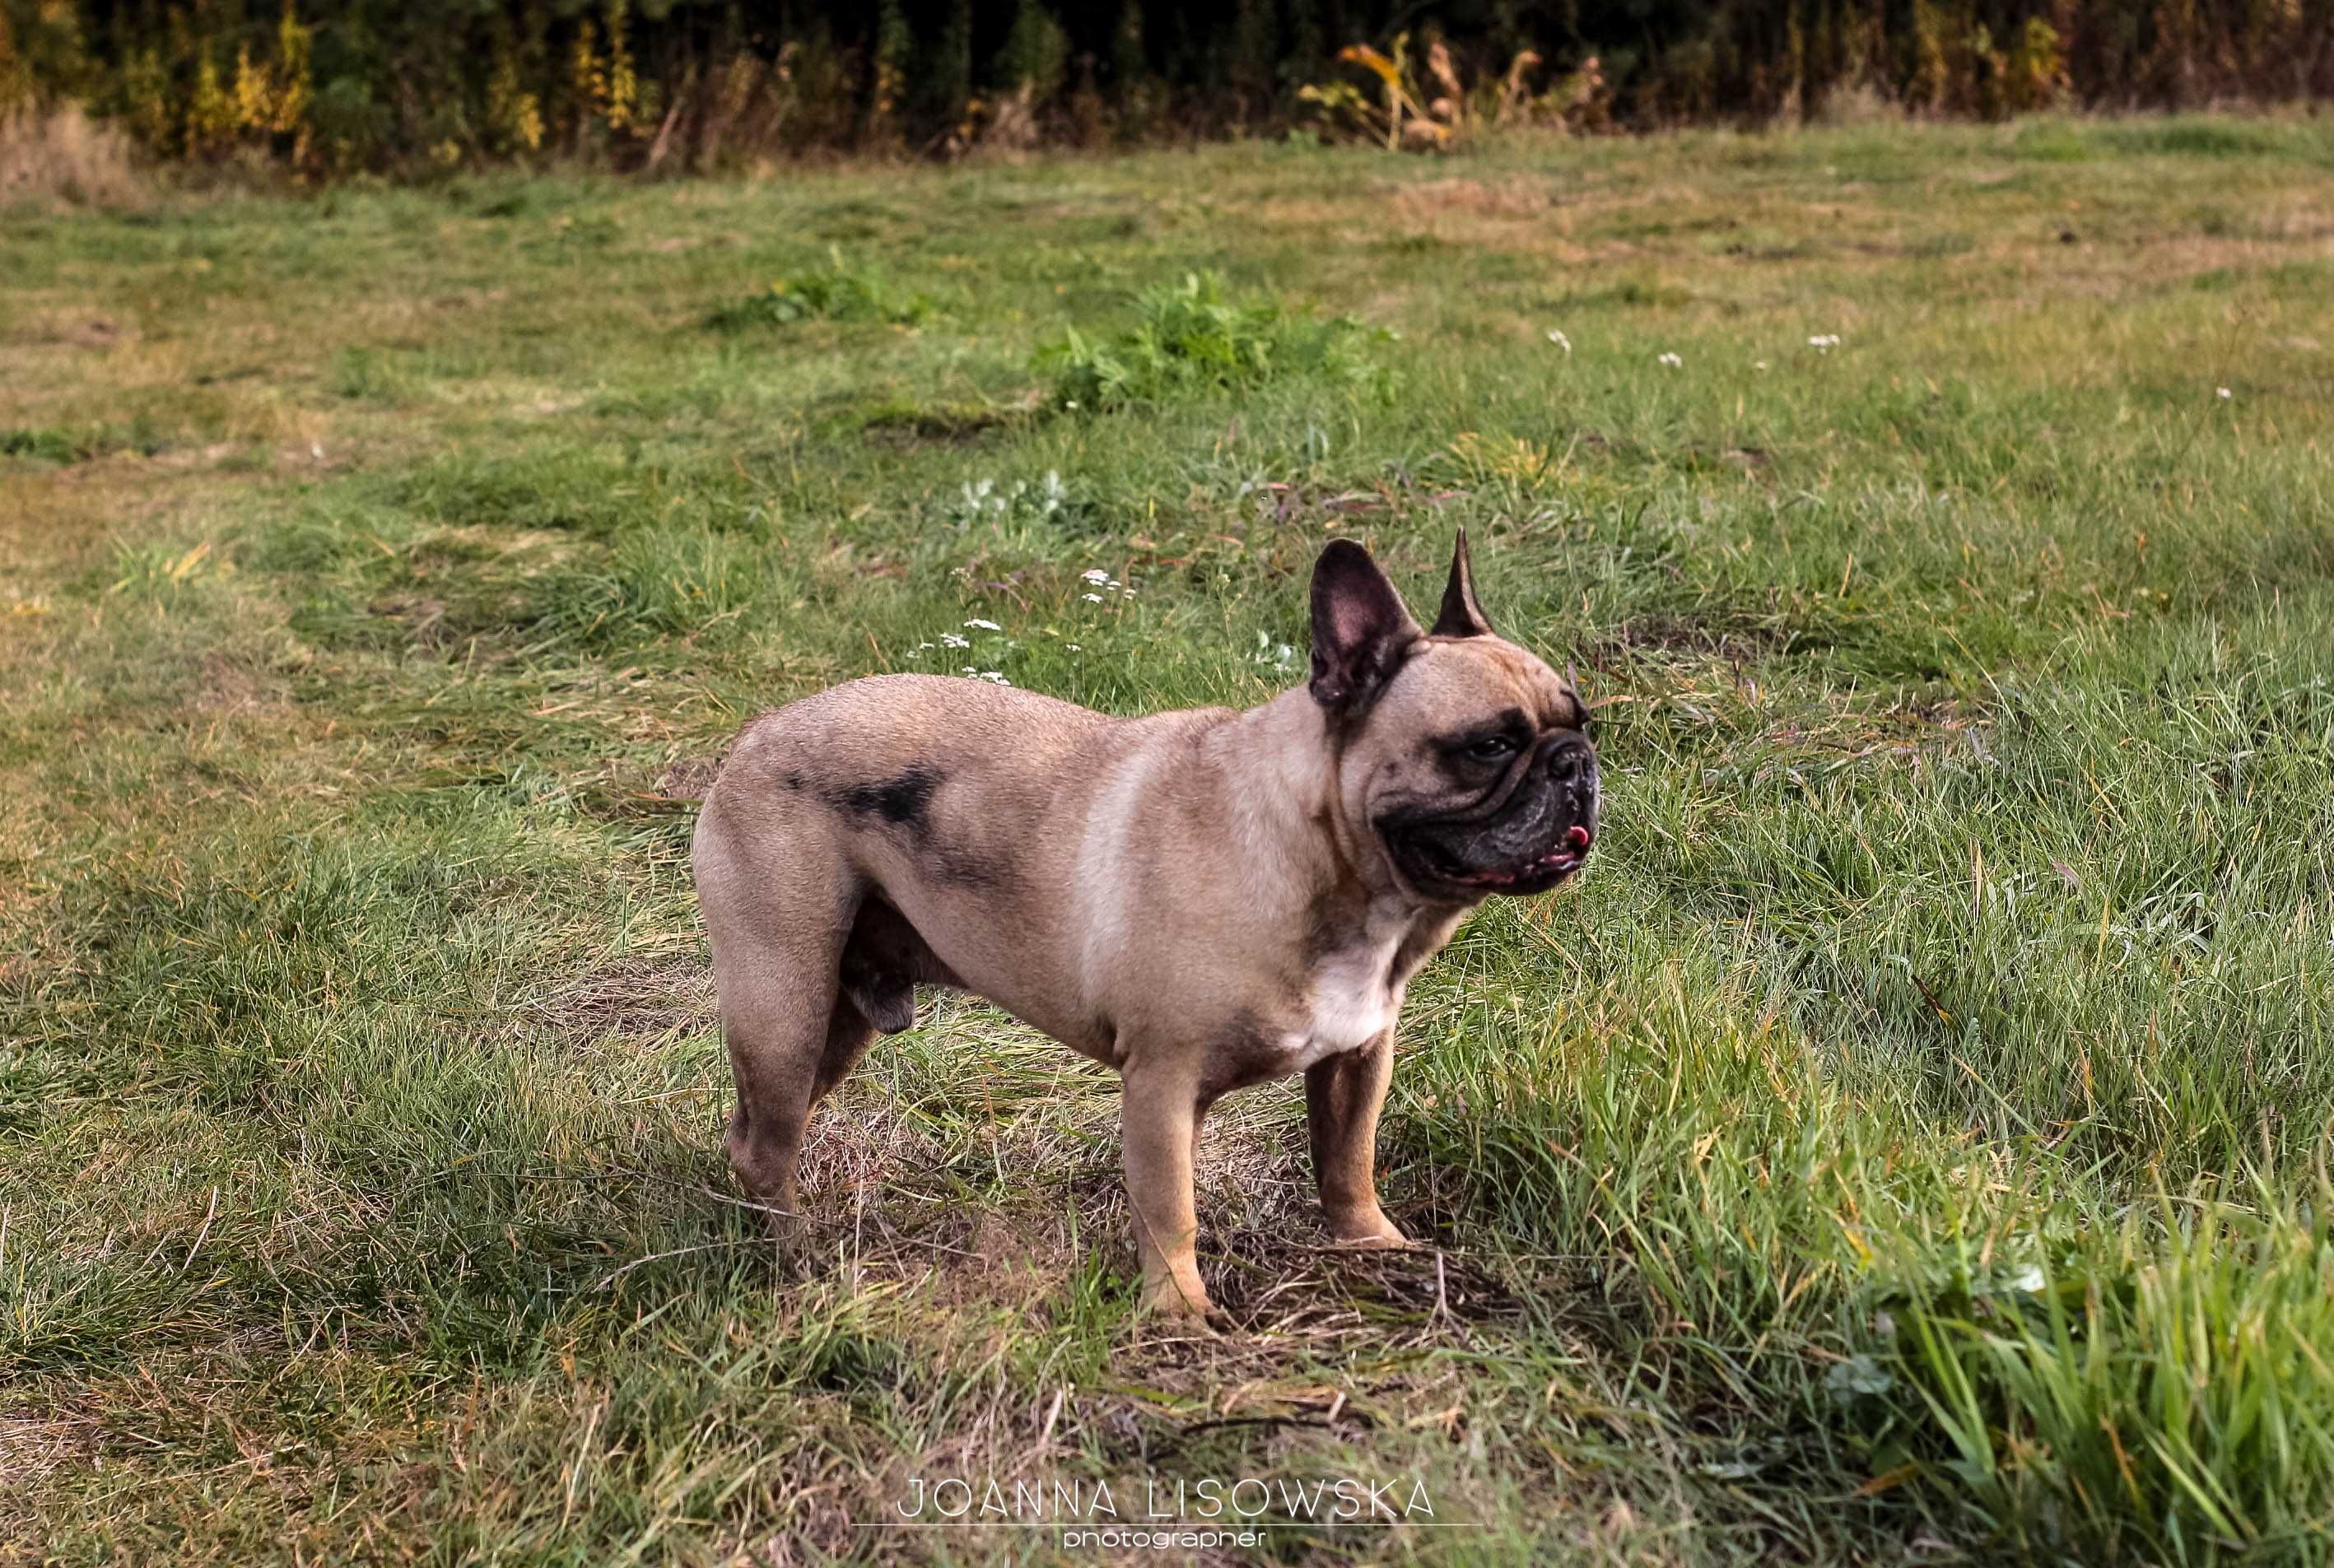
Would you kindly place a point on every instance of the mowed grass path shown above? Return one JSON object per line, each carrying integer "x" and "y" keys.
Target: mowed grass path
{"x": 1906, "y": 1141}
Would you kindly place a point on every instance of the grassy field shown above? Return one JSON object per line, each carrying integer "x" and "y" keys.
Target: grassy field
{"x": 1906, "y": 1143}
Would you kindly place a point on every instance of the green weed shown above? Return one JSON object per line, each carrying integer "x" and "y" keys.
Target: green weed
{"x": 45, "y": 446}
{"x": 841, "y": 292}
{"x": 1191, "y": 340}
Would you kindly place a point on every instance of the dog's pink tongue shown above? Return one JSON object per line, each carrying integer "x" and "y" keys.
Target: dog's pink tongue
{"x": 1579, "y": 836}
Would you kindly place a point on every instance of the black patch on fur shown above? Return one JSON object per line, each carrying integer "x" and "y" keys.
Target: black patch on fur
{"x": 794, "y": 782}
{"x": 905, "y": 802}
{"x": 1509, "y": 723}
{"x": 901, "y": 800}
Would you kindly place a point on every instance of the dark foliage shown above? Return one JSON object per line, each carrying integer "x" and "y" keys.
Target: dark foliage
{"x": 335, "y": 84}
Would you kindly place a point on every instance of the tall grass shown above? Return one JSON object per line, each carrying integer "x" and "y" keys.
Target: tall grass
{"x": 2161, "y": 1392}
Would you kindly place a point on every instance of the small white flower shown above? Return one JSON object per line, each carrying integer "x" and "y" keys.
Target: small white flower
{"x": 1671, "y": 360}
{"x": 923, "y": 648}
{"x": 1095, "y": 575}
{"x": 1758, "y": 365}
{"x": 1090, "y": 598}
{"x": 2028, "y": 1279}
{"x": 1071, "y": 404}
{"x": 984, "y": 626}
{"x": 1127, "y": 592}
{"x": 2222, "y": 393}
{"x": 1824, "y": 342}
{"x": 1073, "y": 647}
{"x": 950, "y": 640}
{"x": 1560, "y": 339}
{"x": 969, "y": 670}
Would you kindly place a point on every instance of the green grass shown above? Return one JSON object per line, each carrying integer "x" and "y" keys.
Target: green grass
{"x": 838, "y": 292}
{"x": 1906, "y": 1143}
{"x": 1190, "y": 340}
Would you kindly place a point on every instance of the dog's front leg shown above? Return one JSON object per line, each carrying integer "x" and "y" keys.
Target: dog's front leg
{"x": 1159, "y": 1122}
{"x": 1343, "y": 1095}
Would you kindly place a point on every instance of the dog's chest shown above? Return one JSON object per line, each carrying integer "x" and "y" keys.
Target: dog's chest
{"x": 1349, "y": 1003}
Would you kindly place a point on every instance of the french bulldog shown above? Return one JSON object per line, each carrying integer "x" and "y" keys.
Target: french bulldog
{"x": 1204, "y": 899}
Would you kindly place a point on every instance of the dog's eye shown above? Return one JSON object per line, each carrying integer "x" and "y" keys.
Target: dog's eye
{"x": 1492, "y": 748}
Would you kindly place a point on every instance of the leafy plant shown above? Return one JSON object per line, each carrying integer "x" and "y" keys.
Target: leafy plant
{"x": 78, "y": 443}
{"x": 1021, "y": 507}
{"x": 1401, "y": 117}
{"x": 840, "y": 291}
{"x": 1424, "y": 106}
{"x": 50, "y": 445}
{"x": 1192, "y": 340}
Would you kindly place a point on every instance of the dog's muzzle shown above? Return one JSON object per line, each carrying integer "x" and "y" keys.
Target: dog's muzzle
{"x": 1536, "y": 838}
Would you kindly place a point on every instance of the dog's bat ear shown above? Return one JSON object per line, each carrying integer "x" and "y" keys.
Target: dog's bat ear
{"x": 1462, "y": 616}
{"x": 1361, "y": 629}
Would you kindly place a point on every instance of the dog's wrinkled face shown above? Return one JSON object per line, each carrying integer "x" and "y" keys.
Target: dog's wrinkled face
{"x": 1462, "y": 754}
{"x": 1475, "y": 773}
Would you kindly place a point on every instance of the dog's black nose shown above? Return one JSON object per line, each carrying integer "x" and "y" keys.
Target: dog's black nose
{"x": 1569, "y": 760}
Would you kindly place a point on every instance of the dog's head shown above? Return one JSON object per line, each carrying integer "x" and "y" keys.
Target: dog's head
{"x": 1459, "y": 757}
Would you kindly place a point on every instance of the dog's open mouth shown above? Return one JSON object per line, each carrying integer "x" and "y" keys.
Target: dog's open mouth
{"x": 1547, "y": 870}
{"x": 1427, "y": 859}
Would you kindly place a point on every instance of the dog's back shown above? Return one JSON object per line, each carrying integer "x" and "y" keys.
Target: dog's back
{"x": 902, "y": 805}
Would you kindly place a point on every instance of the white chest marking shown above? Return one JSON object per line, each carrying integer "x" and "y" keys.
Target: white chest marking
{"x": 1351, "y": 1005}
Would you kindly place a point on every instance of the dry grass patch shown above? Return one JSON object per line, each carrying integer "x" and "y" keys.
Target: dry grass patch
{"x": 648, "y": 1000}
{"x": 62, "y": 157}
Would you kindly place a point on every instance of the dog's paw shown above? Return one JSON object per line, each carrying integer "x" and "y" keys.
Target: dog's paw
{"x": 1183, "y": 1307}
{"x": 779, "y": 1211}
{"x": 1368, "y": 1231}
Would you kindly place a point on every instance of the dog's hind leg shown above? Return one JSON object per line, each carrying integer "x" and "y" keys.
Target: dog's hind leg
{"x": 778, "y": 1014}
{"x": 778, "y": 919}
{"x": 848, "y": 1034}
